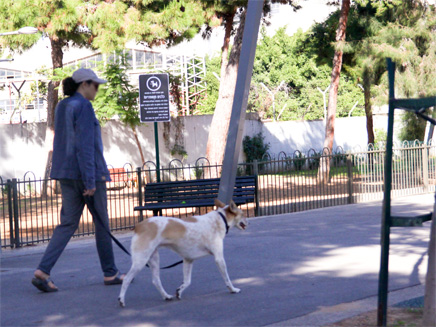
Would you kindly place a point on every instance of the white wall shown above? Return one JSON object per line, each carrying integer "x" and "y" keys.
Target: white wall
{"x": 22, "y": 149}
{"x": 22, "y": 146}
{"x": 350, "y": 134}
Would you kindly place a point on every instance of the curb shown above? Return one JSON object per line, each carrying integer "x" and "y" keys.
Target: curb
{"x": 330, "y": 315}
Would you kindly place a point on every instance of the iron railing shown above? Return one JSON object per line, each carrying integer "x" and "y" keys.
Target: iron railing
{"x": 30, "y": 207}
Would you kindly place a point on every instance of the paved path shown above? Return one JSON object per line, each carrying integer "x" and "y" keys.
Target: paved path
{"x": 301, "y": 269}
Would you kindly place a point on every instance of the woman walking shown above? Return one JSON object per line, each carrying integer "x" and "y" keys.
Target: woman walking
{"x": 80, "y": 167}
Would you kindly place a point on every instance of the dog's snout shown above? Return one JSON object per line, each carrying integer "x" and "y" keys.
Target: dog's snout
{"x": 243, "y": 224}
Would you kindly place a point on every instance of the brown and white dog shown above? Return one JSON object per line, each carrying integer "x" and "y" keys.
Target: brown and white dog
{"x": 191, "y": 238}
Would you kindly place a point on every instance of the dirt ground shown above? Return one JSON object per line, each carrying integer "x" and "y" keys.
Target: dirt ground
{"x": 404, "y": 317}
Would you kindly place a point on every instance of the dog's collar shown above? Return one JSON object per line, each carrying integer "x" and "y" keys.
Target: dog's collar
{"x": 225, "y": 221}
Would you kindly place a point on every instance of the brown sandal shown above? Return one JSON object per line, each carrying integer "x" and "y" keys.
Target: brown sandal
{"x": 116, "y": 281}
{"x": 43, "y": 286}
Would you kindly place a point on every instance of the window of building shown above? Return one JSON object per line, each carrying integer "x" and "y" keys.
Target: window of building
{"x": 139, "y": 59}
{"x": 11, "y": 74}
{"x": 158, "y": 59}
{"x": 149, "y": 58}
{"x": 7, "y": 104}
{"x": 129, "y": 57}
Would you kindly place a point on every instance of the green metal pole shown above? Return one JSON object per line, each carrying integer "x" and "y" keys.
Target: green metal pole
{"x": 11, "y": 205}
{"x": 140, "y": 199}
{"x": 386, "y": 212}
{"x": 156, "y": 142}
{"x": 16, "y": 229}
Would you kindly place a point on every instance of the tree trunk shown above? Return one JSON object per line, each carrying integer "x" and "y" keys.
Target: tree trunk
{"x": 324, "y": 167}
{"x": 138, "y": 144}
{"x": 220, "y": 122}
{"x": 368, "y": 113}
{"x": 225, "y": 48}
{"x": 429, "y": 318}
{"x": 368, "y": 107}
{"x": 52, "y": 100}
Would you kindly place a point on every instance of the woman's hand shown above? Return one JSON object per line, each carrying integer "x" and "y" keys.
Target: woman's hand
{"x": 89, "y": 192}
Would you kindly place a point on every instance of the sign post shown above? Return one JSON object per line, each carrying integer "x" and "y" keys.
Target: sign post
{"x": 154, "y": 105}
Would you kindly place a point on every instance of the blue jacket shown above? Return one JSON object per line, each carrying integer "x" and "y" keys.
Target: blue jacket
{"x": 77, "y": 146}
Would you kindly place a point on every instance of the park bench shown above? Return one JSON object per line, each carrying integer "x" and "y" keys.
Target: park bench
{"x": 120, "y": 179}
{"x": 195, "y": 194}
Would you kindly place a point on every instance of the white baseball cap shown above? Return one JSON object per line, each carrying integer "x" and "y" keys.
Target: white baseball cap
{"x": 84, "y": 74}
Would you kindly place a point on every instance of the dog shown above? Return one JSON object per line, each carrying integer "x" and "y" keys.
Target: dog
{"x": 192, "y": 238}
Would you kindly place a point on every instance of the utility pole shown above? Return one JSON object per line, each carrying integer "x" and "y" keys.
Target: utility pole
{"x": 237, "y": 119}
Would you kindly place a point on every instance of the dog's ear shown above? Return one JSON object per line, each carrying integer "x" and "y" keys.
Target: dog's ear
{"x": 219, "y": 204}
{"x": 233, "y": 207}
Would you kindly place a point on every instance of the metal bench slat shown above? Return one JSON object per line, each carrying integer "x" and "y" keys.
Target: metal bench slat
{"x": 240, "y": 181}
{"x": 195, "y": 193}
{"x": 188, "y": 204}
{"x": 165, "y": 197}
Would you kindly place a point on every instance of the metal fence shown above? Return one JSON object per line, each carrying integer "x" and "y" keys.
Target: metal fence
{"x": 30, "y": 208}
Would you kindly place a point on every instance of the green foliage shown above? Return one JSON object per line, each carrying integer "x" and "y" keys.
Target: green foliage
{"x": 198, "y": 172}
{"x": 380, "y": 135}
{"x": 101, "y": 24}
{"x": 57, "y": 74}
{"x": 411, "y": 42}
{"x": 117, "y": 97}
{"x": 314, "y": 160}
{"x": 339, "y": 158}
{"x": 288, "y": 67}
{"x": 299, "y": 161}
{"x": 175, "y": 91}
{"x": 254, "y": 147}
{"x": 401, "y": 30}
{"x": 213, "y": 84}
{"x": 150, "y": 22}
{"x": 413, "y": 127}
{"x": 35, "y": 88}
{"x": 179, "y": 150}
{"x": 39, "y": 86}
{"x": 4, "y": 190}
{"x": 58, "y": 19}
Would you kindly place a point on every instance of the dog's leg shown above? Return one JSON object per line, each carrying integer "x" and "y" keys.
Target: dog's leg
{"x": 138, "y": 263}
{"x": 155, "y": 273}
{"x": 221, "y": 263}
{"x": 187, "y": 272}
{"x": 140, "y": 257}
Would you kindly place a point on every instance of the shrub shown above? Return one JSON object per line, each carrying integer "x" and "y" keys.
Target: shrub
{"x": 314, "y": 160}
{"x": 254, "y": 147}
{"x": 299, "y": 161}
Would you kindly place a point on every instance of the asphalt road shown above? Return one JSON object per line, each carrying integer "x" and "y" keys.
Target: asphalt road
{"x": 289, "y": 267}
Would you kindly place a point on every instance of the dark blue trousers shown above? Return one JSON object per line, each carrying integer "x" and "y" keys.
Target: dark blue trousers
{"x": 73, "y": 203}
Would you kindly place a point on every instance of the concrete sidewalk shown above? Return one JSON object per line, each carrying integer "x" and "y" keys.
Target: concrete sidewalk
{"x": 302, "y": 269}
